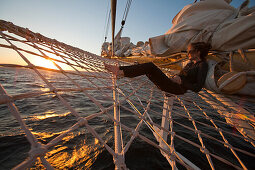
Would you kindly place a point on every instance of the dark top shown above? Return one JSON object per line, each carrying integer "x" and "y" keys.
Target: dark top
{"x": 193, "y": 76}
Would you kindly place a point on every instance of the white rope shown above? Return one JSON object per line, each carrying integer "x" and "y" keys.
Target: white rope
{"x": 198, "y": 134}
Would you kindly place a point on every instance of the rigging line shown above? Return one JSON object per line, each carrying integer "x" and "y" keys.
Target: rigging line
{"x": 107, "y": 22}
{"x": 128, "y": 4}
{"x": 125, "y": 10}
{"x": 130, "y": 1}
{"x": 151, "y": 127}
{"x": 141, "y": 103}
{"x": 118, "y": 101}
{"x": 108, "y": 25}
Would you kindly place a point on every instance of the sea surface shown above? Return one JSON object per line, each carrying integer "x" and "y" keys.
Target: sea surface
{"x": 46, "y": 117}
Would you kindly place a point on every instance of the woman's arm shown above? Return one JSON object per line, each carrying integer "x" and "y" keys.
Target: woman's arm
{"x": 200, "y": 79}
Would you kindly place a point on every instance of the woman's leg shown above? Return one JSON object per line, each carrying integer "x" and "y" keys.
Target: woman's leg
{"x": 155, "y": 75}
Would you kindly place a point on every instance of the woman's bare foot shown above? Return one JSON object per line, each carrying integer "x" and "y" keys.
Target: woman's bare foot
{"x": 114, "y": 69}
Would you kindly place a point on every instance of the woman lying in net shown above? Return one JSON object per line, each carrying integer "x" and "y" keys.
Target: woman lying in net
{"x": 192, "y": 76}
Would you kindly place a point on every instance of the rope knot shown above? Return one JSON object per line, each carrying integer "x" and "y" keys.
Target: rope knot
{"x": 117, "y": 123}
{"x": 40, "y": 150}
{"x": 219, "y": 129}
{"x": 82, "y": 121}
{"x": 204, "y": 150}
{"x": 135, "y": 133}
{"x": 197, "y": 131}
{"x": 119, "y": 160}
{"x": 172, "y": 157}
{"x": 143, "y": 117}
{"x": 228, "y": 145}
{"x": 172, "y": 134}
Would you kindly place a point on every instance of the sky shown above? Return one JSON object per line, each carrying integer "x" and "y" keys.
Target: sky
{"x": 81, "y": 23}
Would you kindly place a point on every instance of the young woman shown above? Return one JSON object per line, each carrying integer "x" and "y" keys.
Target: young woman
{"x": 192, "y": 76}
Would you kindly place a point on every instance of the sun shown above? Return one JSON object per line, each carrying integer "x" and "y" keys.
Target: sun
{"x": 42, "y": 62}
{"x": 48, "y": 63}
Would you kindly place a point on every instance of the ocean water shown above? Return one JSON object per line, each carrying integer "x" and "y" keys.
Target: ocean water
{"x": 46, "y": 117}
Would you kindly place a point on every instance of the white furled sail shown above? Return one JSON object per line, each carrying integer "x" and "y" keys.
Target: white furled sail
{"x": 214, "y": 21}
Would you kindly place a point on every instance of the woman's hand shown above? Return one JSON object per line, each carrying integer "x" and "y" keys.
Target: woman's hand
{"x": 177, "y": 79}
{"x": 114, "y": 69}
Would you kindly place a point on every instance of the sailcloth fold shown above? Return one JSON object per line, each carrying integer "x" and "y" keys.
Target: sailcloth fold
{"x": 213, "y": 21}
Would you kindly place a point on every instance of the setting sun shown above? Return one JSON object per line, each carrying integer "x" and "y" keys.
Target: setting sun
{"x": 42, "y": 62}
{"x": 47, "y": 63}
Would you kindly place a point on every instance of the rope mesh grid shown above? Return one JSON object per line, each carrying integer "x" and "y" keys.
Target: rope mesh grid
{"x": 194, "y": 120}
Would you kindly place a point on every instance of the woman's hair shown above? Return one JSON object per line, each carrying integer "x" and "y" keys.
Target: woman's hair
{"x": 202, "y": 47}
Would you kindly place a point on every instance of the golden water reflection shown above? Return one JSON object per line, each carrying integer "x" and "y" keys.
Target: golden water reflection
{"x": 76, "y": 156}
{"x": 49, "y": 114}
{"x": 43, "y": 135}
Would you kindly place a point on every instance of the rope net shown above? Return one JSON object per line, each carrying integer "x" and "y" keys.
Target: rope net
{"x": 192, "y": 131}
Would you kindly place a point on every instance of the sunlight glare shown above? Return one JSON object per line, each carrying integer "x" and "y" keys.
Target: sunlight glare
{"x": 42, "y": 62}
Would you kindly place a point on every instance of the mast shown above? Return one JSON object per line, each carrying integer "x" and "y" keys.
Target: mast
{"x": 113, "y": 14}
{"x": 119, "y": 159}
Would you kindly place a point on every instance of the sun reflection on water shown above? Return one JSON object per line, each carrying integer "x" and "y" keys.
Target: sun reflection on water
{"x": 80, "y": 156}
{"x": 44, "y": 89}
{"x": 44, "y": 135}
{"x": 49, "y": 114}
